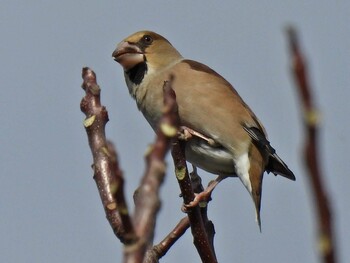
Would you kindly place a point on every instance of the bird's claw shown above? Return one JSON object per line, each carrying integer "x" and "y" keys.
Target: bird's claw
{"x": 200, "y": 199}
{"x": 184, "y": 134}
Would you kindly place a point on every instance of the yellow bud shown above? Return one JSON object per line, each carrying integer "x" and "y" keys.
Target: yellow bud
{"x": 89, "y": 121}
{"x": 180, "y": 173}
{"x": 112, "y": 206}
{"x": 168, "y": 130}
{"x": 312, "y": 117}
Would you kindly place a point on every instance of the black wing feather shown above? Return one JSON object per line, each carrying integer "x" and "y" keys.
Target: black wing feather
{"x": 275, "y": 163}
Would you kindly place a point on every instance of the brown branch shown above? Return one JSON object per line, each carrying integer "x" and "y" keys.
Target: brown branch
{"x": 200, "y": 236}
{"x": 208, "y": 224}
{"x": 159, "y": 250}
{"x": 109, "y": 179}
{"x": 107, "y": 174}
{"x": 137, "y": 234}
{"x": 164, "y": 246}
{"x": 117, "y": 189}
{"x": 146, "y": 197}
{"x": 326, "y": 239}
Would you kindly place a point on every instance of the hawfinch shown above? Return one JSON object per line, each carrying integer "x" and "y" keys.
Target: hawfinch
{"x": 226, "y": 137}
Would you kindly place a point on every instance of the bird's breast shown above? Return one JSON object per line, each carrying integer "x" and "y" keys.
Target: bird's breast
{"x": 149, "y": 99}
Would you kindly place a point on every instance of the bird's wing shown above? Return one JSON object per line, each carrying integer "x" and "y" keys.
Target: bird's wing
{"x": 210, "y": 105}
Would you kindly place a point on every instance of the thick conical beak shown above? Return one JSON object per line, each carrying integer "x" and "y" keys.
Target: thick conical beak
{"x": 128, "y": 55}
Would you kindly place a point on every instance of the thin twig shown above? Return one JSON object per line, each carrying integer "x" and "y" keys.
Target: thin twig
{"x": 164, "y": 246}
{"x": 326, "y": 239}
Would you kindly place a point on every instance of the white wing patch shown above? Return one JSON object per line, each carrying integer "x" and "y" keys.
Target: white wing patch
{"x": 242, "y": 165}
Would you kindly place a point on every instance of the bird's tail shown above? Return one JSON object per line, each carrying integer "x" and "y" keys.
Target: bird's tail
{"x": 277, "y": 166}
{"x": 256, "y": 173}
{"x": 257, "y": 203}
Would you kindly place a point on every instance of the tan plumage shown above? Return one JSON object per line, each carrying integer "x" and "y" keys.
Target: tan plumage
{"x": 208, "y": 104}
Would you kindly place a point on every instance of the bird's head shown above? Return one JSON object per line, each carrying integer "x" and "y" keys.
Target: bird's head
{"x": 143, "y": 52}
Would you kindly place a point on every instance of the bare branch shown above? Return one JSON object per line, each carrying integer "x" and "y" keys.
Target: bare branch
{"x": 163, "y": 247}
{"x": 104, "y": 166}
{"x": 326, "y": 239}
{"x": 146, "y": 197}
{"x": 208, "y": 224}
{"x": 194, "y": 214}
{"x": 200, "y": 238}
{"x": 117, "y": 189}
{"x": 137, "y": 234}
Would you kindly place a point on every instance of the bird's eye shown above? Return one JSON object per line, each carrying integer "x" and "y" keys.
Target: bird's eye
{"x": 147, "y": 39}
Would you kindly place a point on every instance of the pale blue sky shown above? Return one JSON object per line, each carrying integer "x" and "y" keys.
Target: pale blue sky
{"x": 50, "y": 208}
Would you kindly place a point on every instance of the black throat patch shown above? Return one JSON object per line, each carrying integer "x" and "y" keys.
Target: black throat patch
{"x": 137, "y": 73}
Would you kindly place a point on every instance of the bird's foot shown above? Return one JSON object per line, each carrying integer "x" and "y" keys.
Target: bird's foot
{"x": 187, "y": 133}
{"x": 184, "y": 133}
{"x": 203, "y": 197}
{"x": 200, "y": 199}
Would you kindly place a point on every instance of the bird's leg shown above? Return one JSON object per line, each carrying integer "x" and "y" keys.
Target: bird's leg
{"x": 205, "y": 195}
{"x": 187, "y": 133}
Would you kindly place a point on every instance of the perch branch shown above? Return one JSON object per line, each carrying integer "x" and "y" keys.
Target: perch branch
{"x": 200, "y": 236}
{"x": 208, "y": 224}
{"x": 164, "y": 246}
{"x": 137, "y": 234}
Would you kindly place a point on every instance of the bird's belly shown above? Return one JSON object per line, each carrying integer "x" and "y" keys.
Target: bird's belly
{"x": 215, "y": 160}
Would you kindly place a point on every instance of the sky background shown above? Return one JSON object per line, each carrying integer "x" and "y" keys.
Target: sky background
{"x": 50, "y": 207}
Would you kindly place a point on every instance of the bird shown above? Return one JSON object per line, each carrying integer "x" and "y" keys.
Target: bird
{"x": 225, "y": 136}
